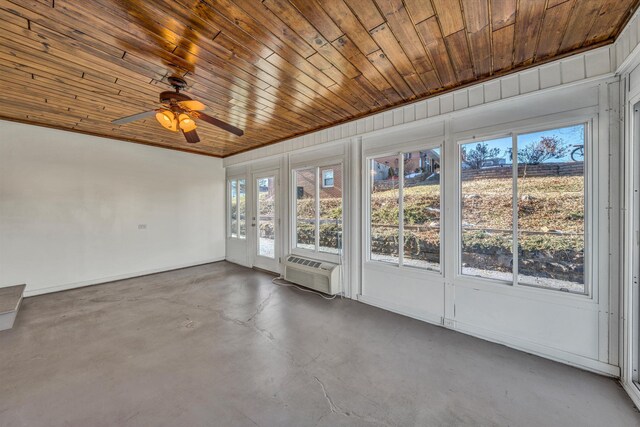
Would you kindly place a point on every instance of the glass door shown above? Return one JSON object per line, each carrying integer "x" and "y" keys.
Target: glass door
{"x": 266, "y": 221}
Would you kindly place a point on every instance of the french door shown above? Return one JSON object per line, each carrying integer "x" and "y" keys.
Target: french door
{"x": 265, "y": 224}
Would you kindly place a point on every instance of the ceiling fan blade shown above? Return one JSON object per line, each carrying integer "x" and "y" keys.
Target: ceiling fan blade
{"x": 192, "y": 105}
{"x": 219, "y": 123}
{"x": 191, "y": 136}
{"x": 134, "y": 117}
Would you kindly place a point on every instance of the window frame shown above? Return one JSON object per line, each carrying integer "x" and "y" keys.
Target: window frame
{"x": 399, "y": 152}
{"x": 591, "y": 221}
{"x": 236, "y": 179}
{"x": 293, "y": 241}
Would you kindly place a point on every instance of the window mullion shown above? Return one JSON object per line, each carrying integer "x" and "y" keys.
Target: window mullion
{"x": 317, "y": 209}
{"x": 514, "y": 203}
{"x": 401, "y": 209}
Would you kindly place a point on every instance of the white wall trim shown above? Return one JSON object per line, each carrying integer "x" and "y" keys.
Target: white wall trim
{"x": 103, "y": 280}
{"x": 499, "y": 338}
{"x": 400, "y": 309}
{"x": 633, "y": 391}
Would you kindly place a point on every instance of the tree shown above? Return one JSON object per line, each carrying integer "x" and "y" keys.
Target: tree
{"x": 476, "y": 157}
{"x": 546, "y": 148}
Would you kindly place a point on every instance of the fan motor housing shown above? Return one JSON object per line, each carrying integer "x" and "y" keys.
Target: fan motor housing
{"x": 170, "y": 97}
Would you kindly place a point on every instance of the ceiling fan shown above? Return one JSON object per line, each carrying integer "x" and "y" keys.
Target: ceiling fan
{"x": 179, "y": 112}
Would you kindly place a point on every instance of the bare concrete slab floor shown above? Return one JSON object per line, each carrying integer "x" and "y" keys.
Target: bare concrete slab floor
{"x": 220, "y": 345}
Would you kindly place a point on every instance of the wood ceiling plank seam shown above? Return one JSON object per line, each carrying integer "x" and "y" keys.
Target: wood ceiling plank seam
{"x": 251, "y": 26}
{"x": 267, "y": 96}
{"x": 309, "y": 82}
{"x": 290, "y": 80}
{"x": 208, "y": 15}
{"x": 458, "y": 49}
{"x": 401, "y": 26}
{"x": 448, "y": 58}
{"x": 219, "y": 82}
{"x": 386, "y": 68}
{"x": 318, "y": 18}
{"x": 478, "y": 35}
{"x": 503, "y": 13}
{"x": 264, "y": 64}
{"x": 613, "y": 13}
{"x": 284, "y": 32}
{"x": 366, "y": 12}
{"x": 313, "y": 36}
{"x": 76, "y": 56}
{"x": 529, "y": 18}
{"x": 580, "y": 23}
{"x": 449, "y": 16}
{"x": 503, "y": 39}
{"x": 354, "y": 89}
{"x": 79, "y": 23}
{"x": 343, "y": 16}
{"x": 551, "y": 26}
{"x": 366, "y": 68}
{"x": 431, "y": 36}
{"x": 419, "y": 10}
{"x": 392, "y": 50}
{"x": 60, "y": 84}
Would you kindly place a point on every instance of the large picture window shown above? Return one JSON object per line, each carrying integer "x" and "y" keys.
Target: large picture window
{"x": 318, "y": 208}
{"x": 404, "y": 204}
{"x": 524, "y": 214}
{"x": 237, "y": 209}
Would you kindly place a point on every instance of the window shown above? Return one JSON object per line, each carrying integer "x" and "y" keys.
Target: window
{"x": 327, "y": 178}
{"x": 487, "y": 209}
{"x": 404, "y": 204}
{"x": 524, "y": 215}
{"x": 237, "y": 209}
{"x": 318, "y": 209}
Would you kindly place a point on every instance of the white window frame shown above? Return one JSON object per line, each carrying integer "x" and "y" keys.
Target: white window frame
{"x": 591, "y": 257}
{"x": 318, "y": 165}
{"x": 400, "y": 150}
{"x": 236, "y": 179}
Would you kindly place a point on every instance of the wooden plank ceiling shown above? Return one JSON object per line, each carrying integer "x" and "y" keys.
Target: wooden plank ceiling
{"x": 275, "y": 68}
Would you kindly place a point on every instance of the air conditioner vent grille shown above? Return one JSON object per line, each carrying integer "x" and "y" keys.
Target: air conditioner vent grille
{"x": 302, "y": 261}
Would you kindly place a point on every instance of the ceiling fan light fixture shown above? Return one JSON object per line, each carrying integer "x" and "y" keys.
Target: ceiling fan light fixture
{"x": 167, "y": 119}
{"x": 187, "y": 124}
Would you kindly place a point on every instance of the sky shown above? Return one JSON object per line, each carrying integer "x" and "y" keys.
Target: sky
{"x": 572, "y": 135}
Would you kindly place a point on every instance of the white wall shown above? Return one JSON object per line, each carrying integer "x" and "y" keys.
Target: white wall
{"x": 578, "y": 330}
{"x": 71, "y": 207}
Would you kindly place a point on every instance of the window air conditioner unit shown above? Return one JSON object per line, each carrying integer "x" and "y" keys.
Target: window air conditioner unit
{"x": 318, "y": 275}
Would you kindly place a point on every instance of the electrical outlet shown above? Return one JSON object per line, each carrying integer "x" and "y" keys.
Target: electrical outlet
{"x": 142, "y": 226}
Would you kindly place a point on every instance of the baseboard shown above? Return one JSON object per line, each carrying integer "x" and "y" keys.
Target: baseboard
{"x": 102, "y": 280}
{"x": 526, "y": 346}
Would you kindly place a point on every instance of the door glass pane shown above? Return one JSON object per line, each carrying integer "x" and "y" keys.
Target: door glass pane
{"x": 551, "y": 209}
{"x": 242, "y": 209}
{"x": 234, "y": 208}
{"x": 421, "y": 209}
{"x": 385, "y": 207}
{"x": 305, "y": 185}
{"x": 487, "y": 209}
{"x": 266, "y": 216}
{"x": 331, "y": 209}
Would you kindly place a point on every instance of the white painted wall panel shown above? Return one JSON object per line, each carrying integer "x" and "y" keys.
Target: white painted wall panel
{"x": 71, "y": 204}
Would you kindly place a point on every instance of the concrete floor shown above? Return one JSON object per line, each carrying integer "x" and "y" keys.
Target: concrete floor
{"x": 219, "y": 345}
